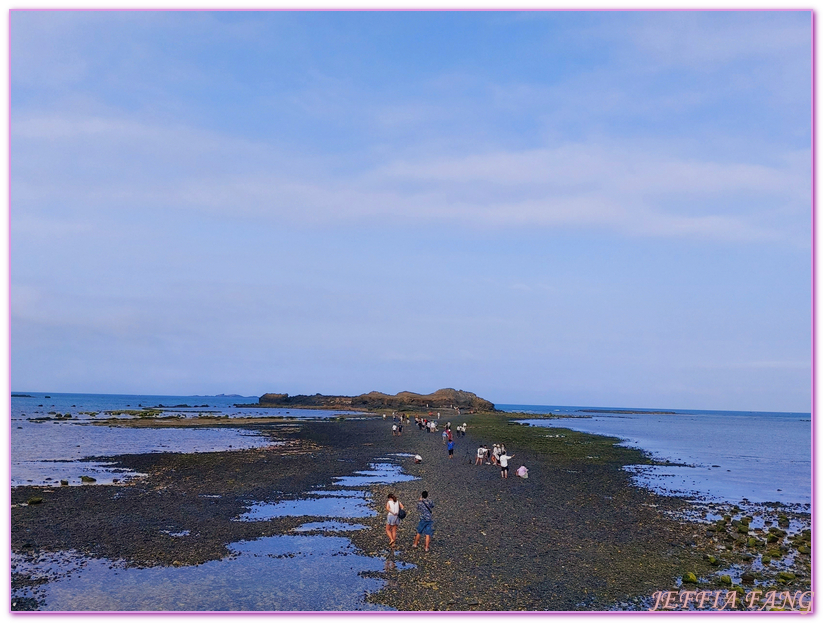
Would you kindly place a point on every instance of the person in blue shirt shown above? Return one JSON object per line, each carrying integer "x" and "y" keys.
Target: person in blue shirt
{"x": 451, "y": 449}
{"x": 426, "y": 524}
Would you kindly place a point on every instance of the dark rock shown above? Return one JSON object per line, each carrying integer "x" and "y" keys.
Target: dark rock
{"x": 35, "y": 501}
{"x": 441, "y": 399}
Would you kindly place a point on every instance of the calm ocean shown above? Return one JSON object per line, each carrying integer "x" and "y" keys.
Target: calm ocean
{"x": 727, "y": 456}
{"x": 44, "y": 451}
{"x": 722, "y": 455}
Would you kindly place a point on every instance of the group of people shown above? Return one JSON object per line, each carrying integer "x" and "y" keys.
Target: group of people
{"x": 496, "y": 456}
{"x": 395, "y": 512}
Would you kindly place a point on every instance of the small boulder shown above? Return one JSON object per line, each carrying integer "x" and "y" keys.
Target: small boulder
{"x": 689, "y": 577}
{"x": 725, "y": 579}
{"x": 64, "y": 483}
{"x": 35, "y": 501}
{"x": 88, "y": 479}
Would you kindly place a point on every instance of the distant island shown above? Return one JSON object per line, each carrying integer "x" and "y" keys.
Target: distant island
{"x": 441, "y": 399}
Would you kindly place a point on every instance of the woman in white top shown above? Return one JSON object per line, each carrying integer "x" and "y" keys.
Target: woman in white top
{"x": 392, "y": 520}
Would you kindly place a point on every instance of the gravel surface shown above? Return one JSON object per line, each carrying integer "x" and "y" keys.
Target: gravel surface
{"x": 575, "y": 535}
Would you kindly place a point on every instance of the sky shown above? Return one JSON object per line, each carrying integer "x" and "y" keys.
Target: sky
{"x": 570, "y": 208}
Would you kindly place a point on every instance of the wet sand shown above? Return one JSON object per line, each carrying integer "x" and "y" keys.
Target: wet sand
{"x": 575, "y": 535}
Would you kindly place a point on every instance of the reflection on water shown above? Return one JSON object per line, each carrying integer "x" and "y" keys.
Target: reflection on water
{"x": 380, "y": 473}
{"x": 319, "y": 505}
{"x": 329, "y": 526}
{"x": 269, "y": 574}
{"x": 731, "y": 456}
{"x": 47, "y": 452}
{"x": 700, "y": 482}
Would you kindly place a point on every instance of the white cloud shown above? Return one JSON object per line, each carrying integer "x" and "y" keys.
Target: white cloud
{"x": 102, "y": 162}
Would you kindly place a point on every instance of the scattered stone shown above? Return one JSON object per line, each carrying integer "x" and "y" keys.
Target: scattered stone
{"x": 725, "y": 579}
{"x": 690, "y": 577}
{"x": 35, "y": 501}
{"x": 88, "y": 479}
{"x": 64, "y": 482}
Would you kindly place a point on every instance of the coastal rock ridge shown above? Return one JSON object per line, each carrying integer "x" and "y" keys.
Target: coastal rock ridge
{"x": 441, "y": 399}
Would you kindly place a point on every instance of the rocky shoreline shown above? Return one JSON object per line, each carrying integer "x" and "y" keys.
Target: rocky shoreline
{"x": 575, "y": 535}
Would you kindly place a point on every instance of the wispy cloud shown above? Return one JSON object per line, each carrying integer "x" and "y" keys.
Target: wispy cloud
{"x": 624, "y": 188}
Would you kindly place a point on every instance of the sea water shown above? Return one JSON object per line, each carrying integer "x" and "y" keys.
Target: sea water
{"x": 45, "y": 450}
{"x": 719, "y": 455}
{"x": 276, "y": 573}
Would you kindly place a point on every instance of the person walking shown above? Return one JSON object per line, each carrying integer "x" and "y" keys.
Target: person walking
{"x": 393, "y": 507}
{"x": 504, "y": 465}
{"x": 426, "y": 523}
{"x": 481, "y": 454}
{"x": 450, "y": 446}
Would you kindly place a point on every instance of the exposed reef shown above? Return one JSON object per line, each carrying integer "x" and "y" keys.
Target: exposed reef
{"x": 441, "y": 399}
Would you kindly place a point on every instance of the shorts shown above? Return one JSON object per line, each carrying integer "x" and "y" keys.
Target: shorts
{"x": 504, "y": 469}
{"x": 426, "y": 526}
{"x": 392, "y": 520}
{"x": 451, "y": 451}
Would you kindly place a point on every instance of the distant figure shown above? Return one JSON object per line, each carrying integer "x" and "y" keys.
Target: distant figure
{"x": 399, "y": 429}
{"x": 464, "y": 429}
{"x": 426, "y": 524}
{"x": 438, "y": 416}
{"x": 393, "y": 507}
{"x": 522, "y": 471}
{"x": 481, "y": 454}
{"x": 394, "y": 429}
{"x": 504, "y": 465}
{"x": 451, "y": 449}
{"x": 384, "y": 416}
{"x": 418, "y": 458}
{"x": 445, "y": 436}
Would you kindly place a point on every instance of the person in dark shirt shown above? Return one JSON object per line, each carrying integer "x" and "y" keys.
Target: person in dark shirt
{"x": 426, "y": 524}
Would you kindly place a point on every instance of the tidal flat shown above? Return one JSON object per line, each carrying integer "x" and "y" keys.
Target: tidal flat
{"x": 576, "y": 535}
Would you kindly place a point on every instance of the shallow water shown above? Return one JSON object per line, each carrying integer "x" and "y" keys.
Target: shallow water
{"x": 43, "y": 450}
{"x": 278, "y": 573}
{"x": 79, "y": 405}
{"x": 380, "y": 473}
{"x": 318, "y": 505}
{"x": 329, "y": 526}
{"x": 730, "y": 456}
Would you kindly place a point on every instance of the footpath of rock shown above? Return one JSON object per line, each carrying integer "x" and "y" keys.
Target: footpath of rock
{"x": 574, "y": 535}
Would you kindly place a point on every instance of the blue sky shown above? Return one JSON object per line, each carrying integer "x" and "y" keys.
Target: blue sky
{"x": 586, "y": 208}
